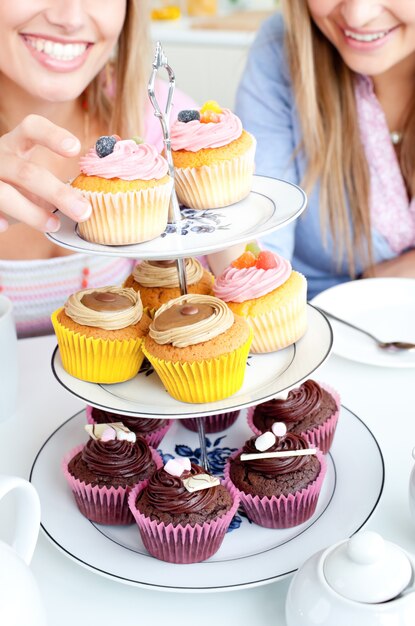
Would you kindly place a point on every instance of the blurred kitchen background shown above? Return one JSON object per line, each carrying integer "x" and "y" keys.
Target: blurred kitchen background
{"x": 206, "y": 42}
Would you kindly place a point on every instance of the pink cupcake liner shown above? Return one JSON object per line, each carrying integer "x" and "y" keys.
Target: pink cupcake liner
{"x": 181, "y": 544}
{"x": 153, "y": 439}
{"x": 213, "y": 423}
{"x": 280, "y": 511}
{"x": 320, "y": 436}
{"x": 103, "y": 505}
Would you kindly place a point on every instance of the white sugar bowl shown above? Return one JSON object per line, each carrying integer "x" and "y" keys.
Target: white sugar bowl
{"x": 364, "y": 581}
{"x": 20, "y": 600}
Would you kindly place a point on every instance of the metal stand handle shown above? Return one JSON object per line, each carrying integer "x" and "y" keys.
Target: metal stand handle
{"x": 160, "y": 61}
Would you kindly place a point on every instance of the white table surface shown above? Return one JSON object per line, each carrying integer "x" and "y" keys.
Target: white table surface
{"x": 381, "y": 397}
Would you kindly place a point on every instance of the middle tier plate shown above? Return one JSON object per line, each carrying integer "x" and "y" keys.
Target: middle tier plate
{"x": 271, "y": 205}
{"x": 266, "y": 376}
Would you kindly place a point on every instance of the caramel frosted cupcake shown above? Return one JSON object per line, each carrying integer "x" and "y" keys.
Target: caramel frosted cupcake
{"x": 129, "y": 189}
{"x": 100, "y": 334}
{"x": 158, "y": 281}
{"x": 182, "y": 512}
{"x": 102, "y": 472}
{"x": 277, "y": 477}
{"x": 199, "y": 348}
{"x": 152, "y": 430}
{"x": 213, "y": 157}
{"x": 311, "y": 410}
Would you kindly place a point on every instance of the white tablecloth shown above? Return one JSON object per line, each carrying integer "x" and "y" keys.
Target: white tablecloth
{"x": 381, "y": 397}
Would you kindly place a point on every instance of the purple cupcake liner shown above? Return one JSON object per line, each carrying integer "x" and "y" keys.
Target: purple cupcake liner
{"x": 181, "y": 544}
{"x": 213, "y": 423}
{"x": 321, "y": 436}
{"x": 103, "y": 505}
{"x": 153, "y": 439}
{"x": 280, "y": 511}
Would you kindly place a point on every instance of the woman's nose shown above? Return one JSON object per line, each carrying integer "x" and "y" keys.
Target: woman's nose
{"x": 360, "y": 13}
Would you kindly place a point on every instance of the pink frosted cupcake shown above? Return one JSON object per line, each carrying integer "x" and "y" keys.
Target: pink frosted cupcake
{"x": 272, "y": 298}
{"x": 102, "y": 472}
{"x": 277, "y": 477}
{"x": 213, "y": 423}
{"x": 152, "y": 430}
{"x": 129, "y": 189}
{"x": 213, "y": 157}
{"x": 182, "y": 513}
{"x": 310, "y": 410}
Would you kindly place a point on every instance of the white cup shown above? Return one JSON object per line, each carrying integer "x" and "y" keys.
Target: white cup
{"x": 20, "y": 599}
{"x": 8, "y": 360}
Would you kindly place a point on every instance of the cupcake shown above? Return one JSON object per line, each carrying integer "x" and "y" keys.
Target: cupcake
{"x": 152, "y": 430}
{"x": 310, "y": 410}
{"x": 158, "y": 281}
{"x": 212, "y": 423}
{"x": 277, "y": 477}
{"x": 100, "y": 334}
{"x": 129, "y": 188}
{"x": 213, "y": 157}
{"x": 102, "y": 472}
{"x": 182, "y": 512}
{"x": 199, "y": 348}
{"x": 270, "y": 295}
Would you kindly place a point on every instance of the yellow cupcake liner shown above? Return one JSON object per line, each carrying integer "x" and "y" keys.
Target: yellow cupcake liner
{"x": 217, "y": 185}
{"x": 97, "y": 360}
{"x": 203, "y": 381}
{"x": 127, "y": 217}
{"x": 279, "y": 328}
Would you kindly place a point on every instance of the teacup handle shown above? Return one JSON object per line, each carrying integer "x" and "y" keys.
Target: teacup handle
{"x": 28, "y": 515}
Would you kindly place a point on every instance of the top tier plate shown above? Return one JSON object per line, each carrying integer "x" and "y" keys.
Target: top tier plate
{"x": 271, "y": 205}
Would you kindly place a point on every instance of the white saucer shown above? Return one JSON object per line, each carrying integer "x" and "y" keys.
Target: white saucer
{"x": 271, "y": 204}
{"x": 250, "y": 555}
{"x": 266, "y": 375}
{"x": 383, "y": 306}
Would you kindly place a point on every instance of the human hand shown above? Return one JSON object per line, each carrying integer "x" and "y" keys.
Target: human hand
{"x": 402, "y": 266}
{"x": 29, "y": 192}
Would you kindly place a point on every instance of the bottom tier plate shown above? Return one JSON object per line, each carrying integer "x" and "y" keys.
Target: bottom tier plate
{"x": 250, "y": 555}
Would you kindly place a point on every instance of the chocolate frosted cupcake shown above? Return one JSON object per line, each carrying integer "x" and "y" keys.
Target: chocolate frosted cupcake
{"x": 102, "y": 472}
{"x": 277, "y": 477}
{"x": 199, "y": 348}
{"x": 182, "y": 512}
{"x": 213, "y": 423}
{"x": 158, "y": 281}
{"x": 312, "y": 410}
{"x": 100, "y": 333}
{"x": 152, "y": 430}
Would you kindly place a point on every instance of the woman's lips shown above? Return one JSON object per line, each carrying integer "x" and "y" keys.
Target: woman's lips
{"x": 57, "y": 55}
{"x": 367, "y": 40}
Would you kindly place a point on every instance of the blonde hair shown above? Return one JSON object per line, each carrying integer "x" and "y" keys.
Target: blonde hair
{"x": 118, "y": 95}
{"x": 324, "y": 91}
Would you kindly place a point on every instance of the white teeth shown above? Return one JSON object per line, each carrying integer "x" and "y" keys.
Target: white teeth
{"x": 366, "y": 36}
{"x": 59, "y": 51}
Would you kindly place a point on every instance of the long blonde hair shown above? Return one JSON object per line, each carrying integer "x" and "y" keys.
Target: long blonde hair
{"x": 324, "y": 91}
{"x": 122, "y": 110}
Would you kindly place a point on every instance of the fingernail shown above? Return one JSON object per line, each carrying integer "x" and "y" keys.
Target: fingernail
{"x": 81, "y": 210}
{"x": 52, "y": 225}
{"x": 4, "y": 225}
{"x": 70, "y": 144}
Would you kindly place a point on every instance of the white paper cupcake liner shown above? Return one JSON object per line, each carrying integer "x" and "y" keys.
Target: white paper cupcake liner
{"x": 127, "y": 217}
{"x": 217, "y": 185}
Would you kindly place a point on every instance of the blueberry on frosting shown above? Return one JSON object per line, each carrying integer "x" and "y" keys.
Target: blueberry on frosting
{"x": 105, "y": 145}
{"x": 188, "y": 115}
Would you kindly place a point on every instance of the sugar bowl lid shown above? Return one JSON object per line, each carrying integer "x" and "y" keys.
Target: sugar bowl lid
{"x": 366, "y": 568}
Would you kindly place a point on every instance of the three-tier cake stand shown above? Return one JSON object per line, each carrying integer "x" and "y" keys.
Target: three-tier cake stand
{"x": 115, "y": 552}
